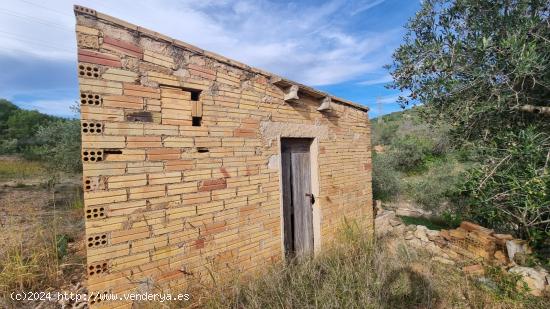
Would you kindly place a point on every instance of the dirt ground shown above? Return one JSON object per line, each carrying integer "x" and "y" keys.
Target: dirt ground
{"x": 41, "y": 231}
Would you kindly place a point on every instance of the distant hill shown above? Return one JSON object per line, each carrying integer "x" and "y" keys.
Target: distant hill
{"x": 18, "y": 127}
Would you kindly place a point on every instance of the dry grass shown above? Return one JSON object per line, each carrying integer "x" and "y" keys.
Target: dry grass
{"x": 12, "y": 168}
{"x": 358, "y": 273}
{"x": 40, "y": 230}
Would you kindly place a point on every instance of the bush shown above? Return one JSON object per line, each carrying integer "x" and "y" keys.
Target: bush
{"x": 385, "y": 179}
{"x": 440, "y": 184}
{"x": 59, "y": 146}
{"x": 409, "y": 153}
{"x": 510, "y": 191}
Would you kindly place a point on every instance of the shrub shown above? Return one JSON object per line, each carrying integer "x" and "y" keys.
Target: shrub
{"x": 438, "y": 185}
{"x": 59, "y": 145}
{"x": 510, "y": 190}
{"x": 409, "y": 152}
{"x": 385, "y": 179}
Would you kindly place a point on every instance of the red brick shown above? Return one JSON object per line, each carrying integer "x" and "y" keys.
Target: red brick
{"x": 199, "y": 243}
{"x": 244, "y": 133}
{"x": 125, "y": 47}
{"x": 224, "y": 172}
{"x": 212, "y": 184}
{"x": 98, "y": 58}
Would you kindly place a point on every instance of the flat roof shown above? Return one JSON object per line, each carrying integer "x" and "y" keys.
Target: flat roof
{"x": 280, "y": 81}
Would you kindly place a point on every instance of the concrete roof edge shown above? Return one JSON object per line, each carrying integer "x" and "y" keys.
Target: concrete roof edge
{"x": 79, "y": 9}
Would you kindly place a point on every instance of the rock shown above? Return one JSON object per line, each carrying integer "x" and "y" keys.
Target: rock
{"x": 382, "y": 222}
{"x": 502, "y": 238}
{"x": 412, "y": 212}
{"x": 475, "y": 269}
{"x": 378, "y": 204}
{"x": 470, "y": 227}
{"x": 443, "y": 260}
{"x": 534, "y": 279}
{"x": 432, "y": 234}
{"x": 395, "y": 222}
{"x": 445, "y": 234}
{"x": 516, "y": 246}
{"x": 415, "y": 242}
{"x": 420, "y": 233}
{"x": 500, "y": 257}
{"x": 433, "y": 248}
{"x": 409, "y": 235}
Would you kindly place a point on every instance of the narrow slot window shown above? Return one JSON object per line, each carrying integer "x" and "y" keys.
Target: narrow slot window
{"x": 196, "y": 121}
{"x": 195, "y": 95}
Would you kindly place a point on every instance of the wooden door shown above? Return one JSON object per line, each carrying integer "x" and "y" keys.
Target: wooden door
{"x": 297, "y": 196}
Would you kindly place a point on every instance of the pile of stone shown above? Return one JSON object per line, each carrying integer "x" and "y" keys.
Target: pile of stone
{"x": 469, "y": 244}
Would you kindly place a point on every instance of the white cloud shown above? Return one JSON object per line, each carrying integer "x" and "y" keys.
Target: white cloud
{"x": 311, "y": 44}
{"x": 365, "y": 5}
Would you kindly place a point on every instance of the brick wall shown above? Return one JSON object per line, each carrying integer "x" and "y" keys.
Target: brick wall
{"x": 180, "y": 150}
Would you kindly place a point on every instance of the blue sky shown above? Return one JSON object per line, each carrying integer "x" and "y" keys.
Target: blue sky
{"x": 338, "y": 46}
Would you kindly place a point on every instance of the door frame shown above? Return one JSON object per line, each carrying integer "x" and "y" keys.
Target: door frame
{"x": 315, "y": 189}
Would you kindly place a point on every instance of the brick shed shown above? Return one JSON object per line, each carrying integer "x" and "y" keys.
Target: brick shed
{"x": 195, "y": 162}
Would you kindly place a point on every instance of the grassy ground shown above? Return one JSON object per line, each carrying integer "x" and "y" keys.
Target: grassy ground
{"x": 41, "y": 230}
{"x": 12, "y": 168}
{"x": 359, "y": 273}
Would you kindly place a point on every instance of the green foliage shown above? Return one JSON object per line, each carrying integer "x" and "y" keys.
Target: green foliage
{"x": 430, "y": 223}
{"x": 35, "y": 136}
{"x": 468, "y": 71}
{"x": 438, "y": 185}
{"x": 385, "y": 179}
{"x": 511, "y": 189}
{"x": 6, "y": 109}
{"x": 59, "y": 145}
{"x": 62, "y": 245}
{"x": 409, "y": 153}
{"x": 508, "y": 285}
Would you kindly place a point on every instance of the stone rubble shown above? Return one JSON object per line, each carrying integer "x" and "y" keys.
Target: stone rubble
{"x": 469, "y": 243}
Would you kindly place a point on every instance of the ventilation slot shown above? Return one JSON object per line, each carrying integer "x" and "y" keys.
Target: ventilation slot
{"x": 202, "y": 150}
{"x": 92, "y": 155}
{"x": 112, "y": 151}
{"x": 90, "y": 99}
{"x": 86, "y": 70}
{"x": 92, "y": 127}
{"x": 96, "y": 241}
{"x": 196, "y": 121}
{"x": 95, "y": 213}
{"x": 139, "y": 117}
{"x": 98, "y": 268}
{"x": 195, "y": 95}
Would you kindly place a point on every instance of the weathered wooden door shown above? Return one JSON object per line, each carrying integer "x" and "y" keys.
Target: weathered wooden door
{"x": 297, "y": 197}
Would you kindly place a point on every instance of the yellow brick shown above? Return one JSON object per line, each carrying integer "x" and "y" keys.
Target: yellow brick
{"x": 159, "y": 59}
{"x": 174, "y": 141}
{"x": 127, "y": 181}
{"x": 147, "y": 192}
{"x": 103, "y": 141}
{"x": 120, "y": 75}
{"x": 164, "y": 178}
